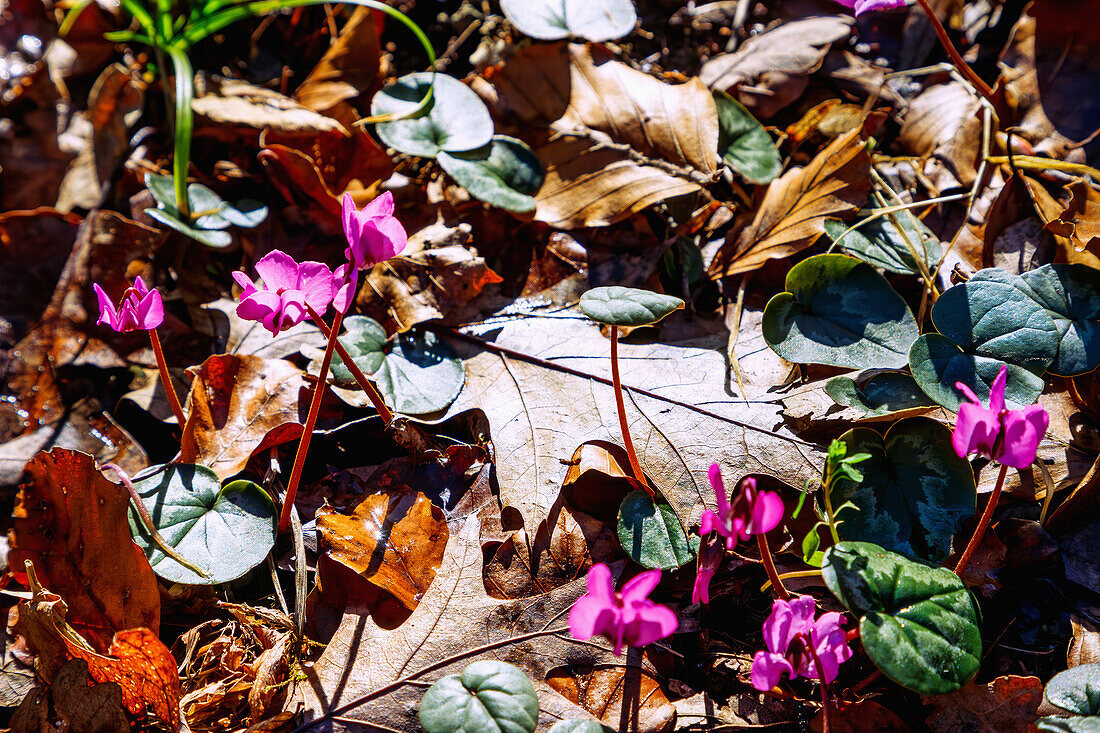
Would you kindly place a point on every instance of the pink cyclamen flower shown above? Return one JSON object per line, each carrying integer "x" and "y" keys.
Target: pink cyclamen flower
{"x": 862, "y": 6}
{"x": 787, "y": 631}
{"x": 288, "y": 287}
{"x": 374, "y": 234}
{"x": 140, "y": 309}
{"x": 752, "y": 512}
{"x": 711, "y": 553}
{"x": 1009, "y": 437}
{"x": 627, "y": 617}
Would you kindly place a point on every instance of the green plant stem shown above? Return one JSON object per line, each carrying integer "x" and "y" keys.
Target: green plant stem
{"x": 628, "y": 443}
{"x": 769, "y": 567}
{"x": 185, "y": 120}
{"x": 364, "y": 383}
{"x": 311, "y": 423}
{"x": 983, "y": 523}
{"x": 165, "y": 379}
{"x": 826, "y": 493}
{"x": 953, "y": 53}
{"x": 147, "y": 521}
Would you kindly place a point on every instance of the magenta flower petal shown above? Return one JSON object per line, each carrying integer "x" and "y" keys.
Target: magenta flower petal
{"x": 373, "y": 234}
{"x": 639, "y": 587}
{"x": 645, "y": 622}
{"x": 767, "y": 512}
{"x": 140, "y": 309}
{"x": 1023, "y": 431}
{"x": 976, "y": 430}
{"x": 625, "y": 618}
{"x": 863, "y": 6}
{"x": 595, "y": 610}
{"x": 787, "y": 620}
{"x": 997, "y": 391}
{"x": 107, "y": 314}
{"x": 315, "y": 283}
{"x": 700, "y": 589}
{"x": 708, "y": 523}
{"x": 768, "y": 669}
{"x": 719, "y": 486}
{"x": 278, "y": 270}
{"x": 288, "y": 288}
{"x": 1010, "y": 437}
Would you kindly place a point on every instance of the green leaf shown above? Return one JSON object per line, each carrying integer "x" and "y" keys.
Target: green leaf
{"x": 248, "y": 213}
{"x": 937, "y": 364}
{"x": 225, "y": 530}
{"x": 457, "y": 119}
{"x": 880, "y": 243}
{"x": 839, "y": 311}
{"x": 550, "y": 20}
{"x": 917, "y": 622}
{"x": 210, "y": 237}
{"x": 915, "y": 493}
{"x": 744, "y": 144}
{"x": 1070, "y": 294}
{"x": 651, "y": 533}
{"x": 1077, "y": 692}
{"x": 881, "y": 394}
{"x": 614, "y": 305}
{"x": 419, "y": 375}
{"x": 577, "y": 726}
{"x": 216, "y": 214}
{"x": 504, "y": 173}
{"x": 487, "y": 697}
{"x": 1054, "y": 724}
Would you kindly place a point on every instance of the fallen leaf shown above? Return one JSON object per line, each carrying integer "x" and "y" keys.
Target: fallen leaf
{"x": 228, "y": 108}
{"x": 776, "y": 64}
{"x": 391, "y": 542}
{"x": 1007, "y": 705}
{"x": 72, "y": 702}
{"x": 865, "y": 716}
{"x": 1066, "y": 66}
{"x": 1084, "y": 647}
{"x": 32, "y": 160}
{"x": 1079, "y": 220}
{"x": 943, "y": 126}
{"x": 235, "y": 402}
{"x": 796, "y": 204}
{"x": 349, "y": 68}
{"x": 70, "y": 522}
{"x": 622, "y": 697}
{"x": 16, "y": 671}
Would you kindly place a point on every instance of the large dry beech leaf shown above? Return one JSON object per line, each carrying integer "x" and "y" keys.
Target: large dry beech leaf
{"x": 363, "y": 674}
{"x": 235, "y": 402}
{"x": 70, "y": 521}
{"x": 612, "y": 119}
{"x": 796, "y": 205}
{"x": 539, "y": 414}
{"x": 623, "y": 698}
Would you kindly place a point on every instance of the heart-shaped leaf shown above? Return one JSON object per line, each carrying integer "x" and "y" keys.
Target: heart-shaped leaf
{"x": 1071, "y": 296}
{"x": 1076, "y": 691}
{"x": 917, "y": 622}
{"x": 456, "y": 120}
{"x": 549, "y": 20}
{"x": 224, "y": 530}
{"x": 839, "y": 311}
{"x": 487, "y": 697}
{"x": 505, "y": 173}
{"x": 881, "y": 243}
{"x": 937, "y": 363}
{"x": 419, "y": 375}
{"x": 880, "y": 394}
{"x": 614, "y": 305}
{"x": 915, "y": 491}
{"x": 651, "y": 533}
{"x": 743, "y": 142}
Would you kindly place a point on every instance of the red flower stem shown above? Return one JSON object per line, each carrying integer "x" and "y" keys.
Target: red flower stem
{"x": 165, "y": 380}
{"x": 826, "y": 714}
{"x": 364, "y": 383}
{"x": 953, "y": 53}
{"x": 983, "y": 523}
{"x": 311, "y": 422}
{"x": 635, "y": 466}
{"x": 769, "y": 566}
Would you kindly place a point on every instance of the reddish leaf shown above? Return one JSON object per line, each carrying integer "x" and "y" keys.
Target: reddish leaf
{"x": 623, "y": 698}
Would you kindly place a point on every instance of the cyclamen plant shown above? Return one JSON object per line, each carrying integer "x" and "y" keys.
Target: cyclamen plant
{"x": 626, "y": 617}
{"x": 800, "y": 646}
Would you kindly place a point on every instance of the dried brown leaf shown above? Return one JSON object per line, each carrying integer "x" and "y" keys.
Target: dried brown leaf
{"x": 623, "y": 698}
{"x": 943, "y": 125}
{"x": 1007, "y": 705}
{"x": 349, "y": 67}
{"x": 73, "y": 702}
{"x": 228, "y": 108}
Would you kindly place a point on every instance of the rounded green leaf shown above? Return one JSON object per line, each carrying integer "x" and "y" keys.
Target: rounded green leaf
{"x": 488, "y": 697}
{"x": 917, "y": 622}
{"x": 420, "y": 374}
{"x": 938, "y": 363}
{"x": 997, "y": 319}
{"x": 744, "y": 144}
{"x": 224, "y": 530}
{"x": 210, "y": 237}
{"x": 614, "y": 305}
{"x": 880, "y": 243}
{"x": 881, "y": 394}
{"x": 577, "y": 726}
{"x": 915, "y": 493}
{"x": 550, "y": 20}
{"x": 1070, "y": 294}
{"x": 248, "y": 213}
{"x": 505, "y": 173}
{"x": 839, "y": 311}
{"x": 651, "y": 533}
{"x": 1076, "y": 691}
{"x": 456, "y": 119}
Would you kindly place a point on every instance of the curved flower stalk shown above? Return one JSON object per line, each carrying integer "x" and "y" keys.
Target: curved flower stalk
{"x": 1009, "y": 437}
{"x": 628, "y": 617}
{"x": 140, "y": 309}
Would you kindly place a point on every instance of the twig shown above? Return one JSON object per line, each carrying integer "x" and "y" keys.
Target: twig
{"x": 953, "y": 53}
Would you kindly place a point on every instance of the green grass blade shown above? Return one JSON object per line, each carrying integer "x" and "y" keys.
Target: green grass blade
{"x": 185, "y": 120}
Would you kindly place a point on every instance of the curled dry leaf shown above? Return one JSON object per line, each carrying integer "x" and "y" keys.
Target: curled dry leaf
{"x": 349, "y": 67}
{"x": 434, "y": 277}
{"x": 235, "y": 402}
{"x": 1008, "y": 704}
{"x": 136, "y": 659}
{"x": 70, "y": 522}
{"x": 792, "y": 214}
{"x": 391, "y": 542}
{"x": 622, "y": 697}
{"x": 628, "y": 140}
{"x": 72, "y": 702}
